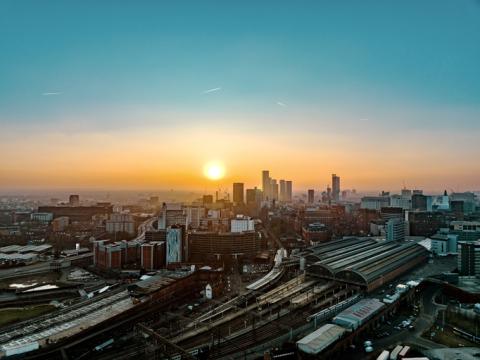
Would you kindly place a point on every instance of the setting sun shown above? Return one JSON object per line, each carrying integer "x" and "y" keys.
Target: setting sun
{"x": 214, "y": 170}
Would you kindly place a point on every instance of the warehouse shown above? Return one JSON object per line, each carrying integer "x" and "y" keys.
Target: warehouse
{"x": 364, "y": 261}
{"x": 22, "y": 249}
{"x": 358, "y": 314}
{"x": 17, "y": 258}
{"x": 320, "y": 339}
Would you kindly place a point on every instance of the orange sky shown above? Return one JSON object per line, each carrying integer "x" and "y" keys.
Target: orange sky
{"x": 151, "y": 158}
{"x": 381, "y": 94}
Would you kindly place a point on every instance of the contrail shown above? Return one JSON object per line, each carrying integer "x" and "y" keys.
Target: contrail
{"x": 212, "y": 90}
{"x": 281, "y": 104}
{"x": 51, "y": 93}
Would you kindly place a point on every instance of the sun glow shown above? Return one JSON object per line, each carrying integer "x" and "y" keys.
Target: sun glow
{"x": 214, "y": 171}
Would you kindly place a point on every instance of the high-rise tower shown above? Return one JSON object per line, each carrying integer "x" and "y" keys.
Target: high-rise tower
{"x": 335, "y": 187}
{"x": 266, "y": 184}
{"x": 238, "y": 194}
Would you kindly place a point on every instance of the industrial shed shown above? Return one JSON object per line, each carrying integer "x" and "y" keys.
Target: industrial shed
{"x": 365, "y": 262}
{"x": 320, "y": 339}
{"x": 358, "y": 314}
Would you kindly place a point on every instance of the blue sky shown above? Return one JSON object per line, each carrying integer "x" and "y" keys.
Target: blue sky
{"x": 374, "y": 68}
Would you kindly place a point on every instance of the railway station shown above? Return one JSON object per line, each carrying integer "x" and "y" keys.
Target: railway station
{"x": 364, "y": 262}
{"x": 298, "y": 296}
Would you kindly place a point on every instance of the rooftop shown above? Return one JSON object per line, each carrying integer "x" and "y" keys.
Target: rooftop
{"x": 321, "y": 338}
{"x": 362, "y": 260}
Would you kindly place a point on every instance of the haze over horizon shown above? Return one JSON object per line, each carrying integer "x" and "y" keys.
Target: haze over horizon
{"x": 101, "y": 95}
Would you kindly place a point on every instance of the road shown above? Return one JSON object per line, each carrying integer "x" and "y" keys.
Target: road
{"x": 147, "y": 225}
{"x": 37, "y": 268}
{"x": 270, "y": 235}
{"x": 426, "y": 318}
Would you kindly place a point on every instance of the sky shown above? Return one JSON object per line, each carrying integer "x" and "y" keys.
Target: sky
{"x": 141, "y": 94}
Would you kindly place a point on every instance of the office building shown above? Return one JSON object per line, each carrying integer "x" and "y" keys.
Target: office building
{"x": 238, "y": 193}
{"x": 311, "y": 196}
{"x": 466, "y": 230}
{"x": 156, "y": 235}
{"x": 254, "y": 196}
{"x": 78, "y": 213}
{"x": 254, "y": 201}
{"x": 174, "y": 248}
{"x": 469, "y": 258}
{"x": 443, "y": 243}
{"x": 329, "y": 193}
{"x": 419, "y": 202}
{"x": 266, "y": 185}
{"x": 218, "y": 246}
{"x": 41, "y": 217}
{"x": 395, "y": 229}
{"x": 152, "y": 255}
{"x": 119, "y": 222}
{"x": 289, "y": 193}
{"x": 425, "y": 223}
{"x": 335, "y": 187}
{"x": 241, "y": 223}
{"x": 400, "y": 201}
{"x": 107, "y": 256}
{"x": 60, "y": 223}
{"x": 283, "y": 191}
{"x": 194, "y": 215}
{"x": 207, "y": 199}
{"x": 114, "y": 255}
{"x": 214, "y": 223}
{"x": 465, "y": 196}
{"x": 172, "y": 214}
{"x": 274, "y": 189}
{"x": 374, "y": 202}
{"x": 464, "y": 203}
{"x": 377, "y": 228}
{"x": 407, "y": 193}
{"x": 315, "y": 233}
{"x": 387, "y": 213}
{"x": 457, "y": 207}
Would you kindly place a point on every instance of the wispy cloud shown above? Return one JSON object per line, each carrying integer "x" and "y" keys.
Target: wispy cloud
{"x": 51, "y": 93}
{"x": 212, "y": 90}
{"x": 279, "y": 103}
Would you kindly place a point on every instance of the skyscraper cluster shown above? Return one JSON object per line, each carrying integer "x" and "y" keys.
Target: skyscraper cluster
{"x": 276, "y": 190}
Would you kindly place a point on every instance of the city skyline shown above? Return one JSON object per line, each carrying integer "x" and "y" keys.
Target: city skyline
{"x": 239, "y": 179}
{"x": 142, "y": 97}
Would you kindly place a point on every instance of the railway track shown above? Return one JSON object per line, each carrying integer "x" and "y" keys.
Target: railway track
{"x": 258, "y": 336}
